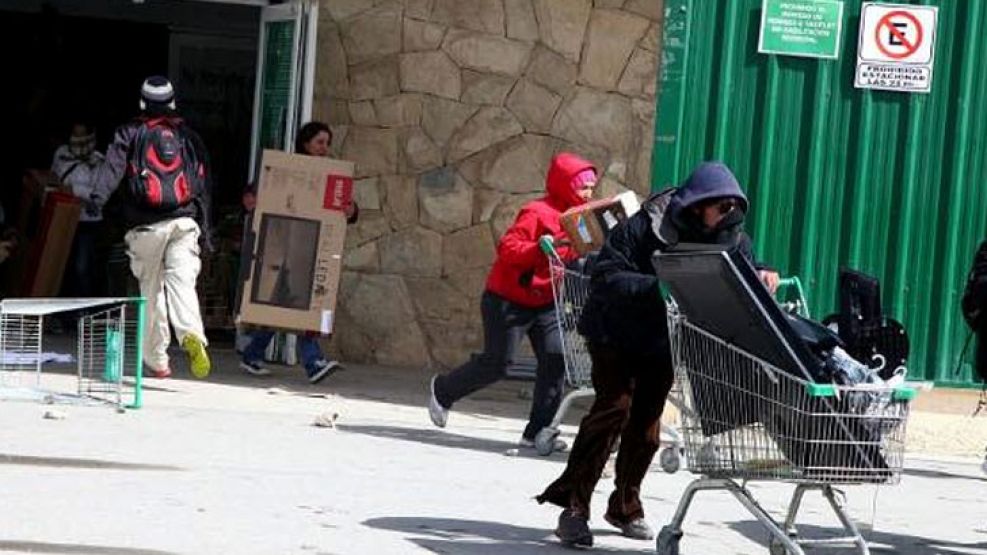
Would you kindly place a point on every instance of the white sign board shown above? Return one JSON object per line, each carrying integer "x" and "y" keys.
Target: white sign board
{"x": 896, "y": 47}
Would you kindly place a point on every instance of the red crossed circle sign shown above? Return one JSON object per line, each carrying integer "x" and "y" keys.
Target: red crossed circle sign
{"x": 886, "y": 25}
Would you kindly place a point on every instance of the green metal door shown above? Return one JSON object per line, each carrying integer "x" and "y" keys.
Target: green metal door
{"x": 889, "y": 183}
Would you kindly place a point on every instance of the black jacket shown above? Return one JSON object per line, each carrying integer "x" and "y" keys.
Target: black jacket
{"x": 974, "y": 303}
{"x": 625, "y": 309}
{"x": 113, "y": 169}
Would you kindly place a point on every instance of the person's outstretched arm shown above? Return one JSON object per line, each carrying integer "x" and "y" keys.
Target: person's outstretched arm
{"x": 111, "y": 171}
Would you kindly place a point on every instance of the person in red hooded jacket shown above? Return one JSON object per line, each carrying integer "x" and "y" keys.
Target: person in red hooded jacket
{"x": 518, "y": 301}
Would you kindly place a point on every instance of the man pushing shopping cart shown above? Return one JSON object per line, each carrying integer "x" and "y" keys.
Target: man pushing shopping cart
{"x": 624, "y": 322}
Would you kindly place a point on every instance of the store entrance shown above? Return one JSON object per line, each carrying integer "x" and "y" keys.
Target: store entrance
{"x": 70, "y": 61}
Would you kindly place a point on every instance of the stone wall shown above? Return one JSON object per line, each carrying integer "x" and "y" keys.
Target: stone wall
{"x": 451, "y": 110}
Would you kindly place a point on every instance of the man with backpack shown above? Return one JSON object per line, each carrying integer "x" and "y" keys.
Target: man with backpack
{"x": 165, "y": 170}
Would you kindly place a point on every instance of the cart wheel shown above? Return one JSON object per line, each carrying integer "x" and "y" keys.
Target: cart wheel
{"x": 709, "y": 456}
{"x": 668, "y": 541}
{"x": 545, "y": 441}
{"x": 670, "y": 459}
{"x": 777, "y": 548}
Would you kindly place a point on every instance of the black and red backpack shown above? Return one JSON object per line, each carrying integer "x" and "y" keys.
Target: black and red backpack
{"x": 164, "y": 171}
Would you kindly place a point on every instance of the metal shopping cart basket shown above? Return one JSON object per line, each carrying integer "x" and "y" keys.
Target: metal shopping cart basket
{"x": 107, "y": 357}
{"x": 747, "y": 417}
{"x": 570, "y": 288}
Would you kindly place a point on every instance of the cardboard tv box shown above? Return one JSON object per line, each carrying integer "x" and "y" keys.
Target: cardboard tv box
{"x": 589, "y": 224}
{"x": 295, "y": 243}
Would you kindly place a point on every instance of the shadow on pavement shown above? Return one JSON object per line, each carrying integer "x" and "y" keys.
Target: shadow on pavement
{"x": 879, "y": 542}
{"x": 73, "y": 548}
{"x": 397, "y": 386}
{"x": 944, "y": 474}
{"x": 98, "y": 464}
{"x": 445, "y": 439}
{"x": 450, "y": 535}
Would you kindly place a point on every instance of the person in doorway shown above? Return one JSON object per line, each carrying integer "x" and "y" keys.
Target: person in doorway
{"x": 313, "y": 139}
{"x": 624, "y": 323}
{"x": 166, "y": 211}
{"x": 75, "y": 165}
{"x": 8, "y": 240}
{"x": 518, "y": 301}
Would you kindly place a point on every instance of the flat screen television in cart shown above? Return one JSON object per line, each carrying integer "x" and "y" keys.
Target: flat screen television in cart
{"x": 717, "y": 290}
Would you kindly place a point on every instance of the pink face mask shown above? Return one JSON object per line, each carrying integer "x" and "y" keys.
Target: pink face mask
{"x": 583, "y": 180}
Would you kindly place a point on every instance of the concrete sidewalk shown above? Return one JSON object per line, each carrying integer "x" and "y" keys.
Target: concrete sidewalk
{"x": 234, "y": 465}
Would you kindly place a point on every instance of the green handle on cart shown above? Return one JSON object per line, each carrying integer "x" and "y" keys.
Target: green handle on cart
{"x": 901, "y": 393}
{"x": 793, "y": 281}
{"x": 904, "y": 393}
{"x": 138, "y": 400}
{"x": 547, "y": 244}
{"x": 801, "y": 306}
{"x": 113, "y": 363}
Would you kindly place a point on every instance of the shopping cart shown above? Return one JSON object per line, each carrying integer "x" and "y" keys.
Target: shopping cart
{"x": 570, "y": 288}
{"x": 746, "y": 419}
{"x": 108, "y": 350}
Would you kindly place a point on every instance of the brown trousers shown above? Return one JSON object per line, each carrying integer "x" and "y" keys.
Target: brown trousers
{"x": 630, "y": 395}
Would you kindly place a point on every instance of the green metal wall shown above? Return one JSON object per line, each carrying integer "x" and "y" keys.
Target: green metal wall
{"x": 892, "y": 184}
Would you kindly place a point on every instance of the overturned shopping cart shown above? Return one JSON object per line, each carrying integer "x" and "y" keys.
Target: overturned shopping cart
{"x": 570, "y": 288}
{"x": 107, "y": 357}
{"x": 751, "y": 409}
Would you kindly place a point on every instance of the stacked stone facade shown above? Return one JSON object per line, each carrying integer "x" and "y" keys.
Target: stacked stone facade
{"x": 451, "y": 110}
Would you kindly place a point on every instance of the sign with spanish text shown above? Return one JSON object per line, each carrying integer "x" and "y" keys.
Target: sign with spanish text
{"x": 896, "y": 48}
{"x": 808, "y": 28}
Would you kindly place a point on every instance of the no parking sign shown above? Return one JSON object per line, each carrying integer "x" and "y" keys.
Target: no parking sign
{"x": 896, "y": 48}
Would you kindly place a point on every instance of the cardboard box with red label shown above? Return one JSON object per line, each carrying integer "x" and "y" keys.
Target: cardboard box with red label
{"x": 589, "y": 224}
{"x": 295, "y": 243}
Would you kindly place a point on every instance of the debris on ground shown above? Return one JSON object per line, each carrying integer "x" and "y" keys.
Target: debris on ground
{"x": 326, "y": 419}
{"x": 54, "y": 414}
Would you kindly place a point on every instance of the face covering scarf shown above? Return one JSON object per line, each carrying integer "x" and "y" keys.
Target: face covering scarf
{"x": 82, "y": 147}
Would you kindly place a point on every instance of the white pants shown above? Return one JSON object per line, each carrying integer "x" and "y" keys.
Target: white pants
{"x": 164, "y": 258}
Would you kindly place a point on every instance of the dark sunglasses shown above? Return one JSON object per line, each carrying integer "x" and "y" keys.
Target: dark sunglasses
{"x": 726, "y": 206}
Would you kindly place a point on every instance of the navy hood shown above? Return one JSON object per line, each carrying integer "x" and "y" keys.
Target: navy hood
{"x": 708, "y": 181}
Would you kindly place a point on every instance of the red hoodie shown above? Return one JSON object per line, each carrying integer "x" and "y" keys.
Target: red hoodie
{"x": 520, "y": 273}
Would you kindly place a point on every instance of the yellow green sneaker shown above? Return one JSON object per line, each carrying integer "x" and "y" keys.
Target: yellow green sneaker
{"x": 198, "y": 358}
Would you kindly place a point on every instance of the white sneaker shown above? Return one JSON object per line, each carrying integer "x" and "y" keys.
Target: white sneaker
{"x": 438, "y": 413}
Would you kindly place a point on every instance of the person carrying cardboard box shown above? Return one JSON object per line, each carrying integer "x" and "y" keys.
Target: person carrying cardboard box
{"x": 518, "y": 301}
{"x": 166, "y": 210}
{"x": 313, "y": 139}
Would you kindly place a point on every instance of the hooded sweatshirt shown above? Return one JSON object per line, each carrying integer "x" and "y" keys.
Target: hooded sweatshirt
{"x": 625, "y": 309}
{"x": 520, "y": 272}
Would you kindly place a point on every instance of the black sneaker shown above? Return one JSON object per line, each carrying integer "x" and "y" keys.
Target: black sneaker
{"x": 254, "y": 368}
{"x": 321, "y": 369}
{"x": 573, "y": 529}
